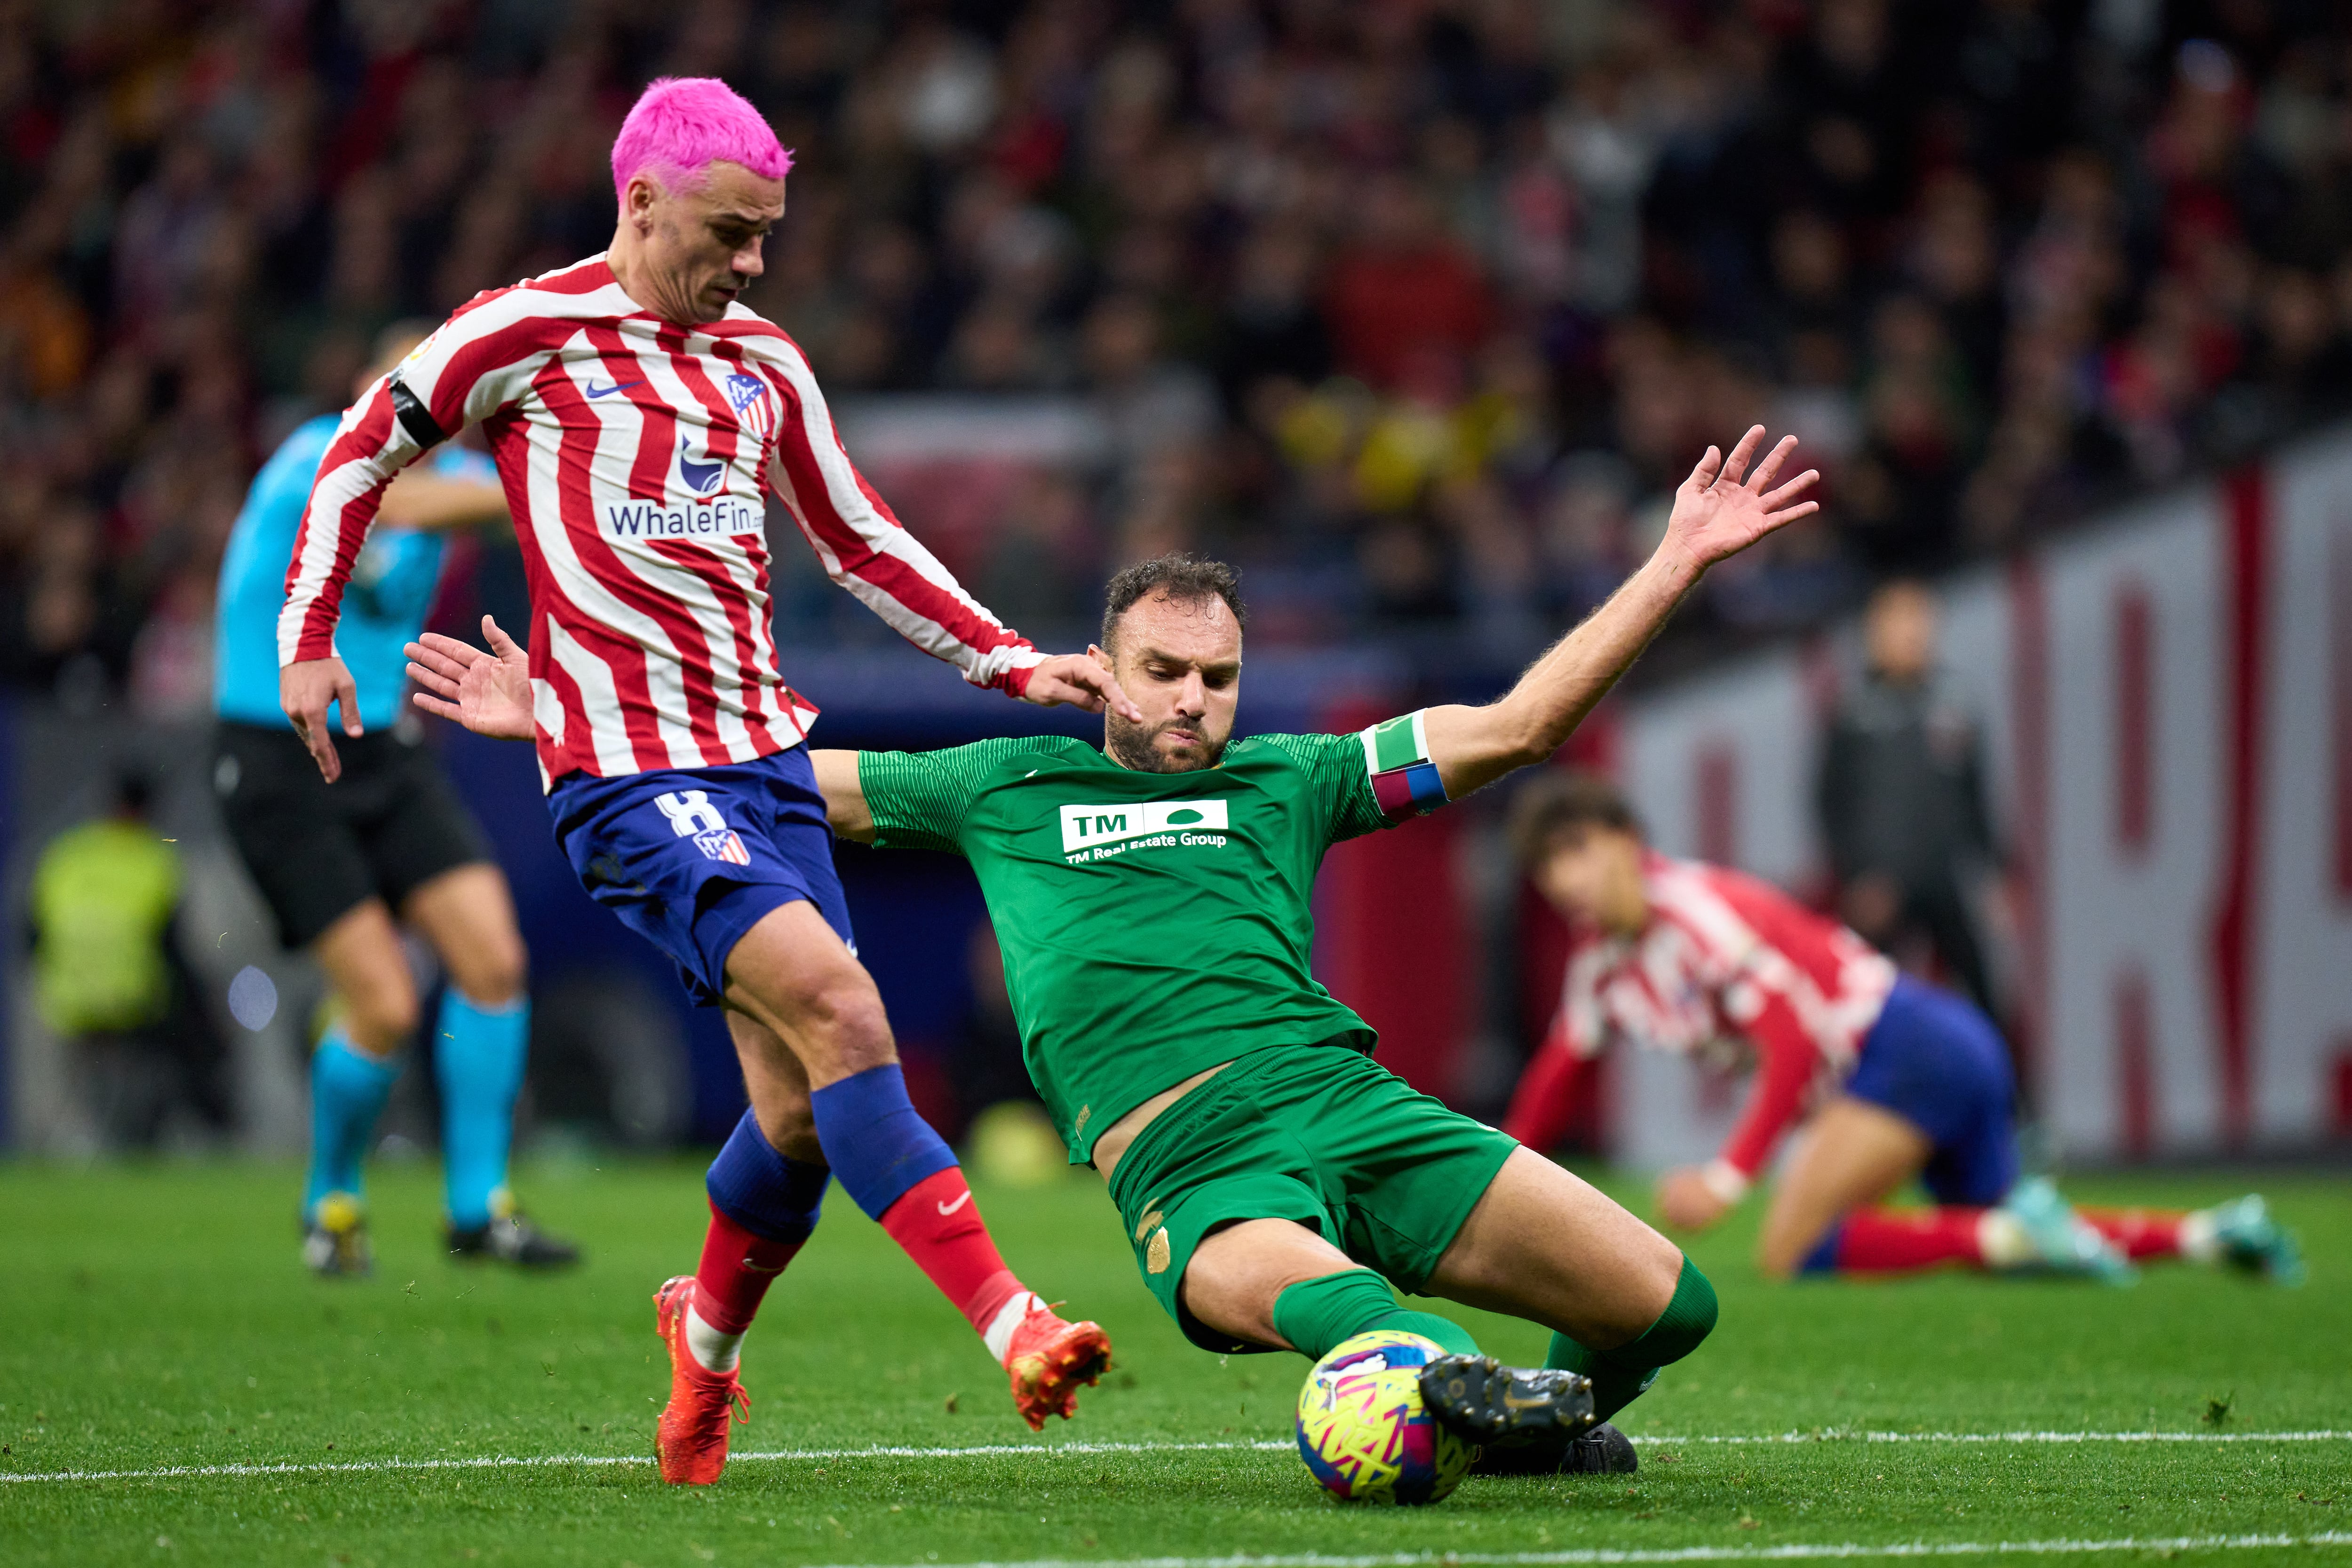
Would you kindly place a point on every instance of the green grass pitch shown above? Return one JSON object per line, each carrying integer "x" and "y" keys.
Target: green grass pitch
{"x": 156, "y": 1317}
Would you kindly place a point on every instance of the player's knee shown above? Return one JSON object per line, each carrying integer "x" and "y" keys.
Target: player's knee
{"x": 379, "y": 1017}
{"x": 843, "y": 1021}
{"x": 1689, "y": 1317}
{"x": 1647, "y": 1293}
{"x": 492, "y": 973}
{"x": 1661, "y": 1265}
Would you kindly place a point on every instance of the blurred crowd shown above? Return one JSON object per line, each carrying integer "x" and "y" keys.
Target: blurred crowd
{"x": 1417, "y": 308}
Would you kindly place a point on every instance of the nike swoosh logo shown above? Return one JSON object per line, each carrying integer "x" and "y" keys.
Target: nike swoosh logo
{"x": 1513, "y": 1401}
{"x": 609, "y": 387}
{"x": 751, "y": 1267}
{"x": 951, "y": 1208}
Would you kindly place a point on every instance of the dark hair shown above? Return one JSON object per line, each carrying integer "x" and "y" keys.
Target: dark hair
{"x": 1552, "y": 803}
{"x": 1184, "y": 579}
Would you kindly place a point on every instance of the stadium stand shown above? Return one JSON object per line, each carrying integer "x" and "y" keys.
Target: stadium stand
{"x": 1410, "y": 308}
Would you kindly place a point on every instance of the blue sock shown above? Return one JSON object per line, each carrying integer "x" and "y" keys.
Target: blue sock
{"x": 1823, "y": 1258}
{"x": 348, "y": 1088}
{"x": 477, "y": 1057}
{"x": 876, "y": 1143}
{"x": 768, "y": 1193}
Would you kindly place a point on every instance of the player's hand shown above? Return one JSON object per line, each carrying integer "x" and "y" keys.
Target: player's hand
{"x": 1687, "y": 1202}
{"x": 306, "y": 689}
{"x": 1078, "y": 681}
{"x": 1716, "y": 514}
{"x": 490, "y": 693}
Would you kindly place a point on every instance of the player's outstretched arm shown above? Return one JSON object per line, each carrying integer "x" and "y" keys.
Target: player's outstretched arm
{"x": 490, "y": 693}
{"x": 845, "y": 811}
{"x": 1719, "y": 510}
{"x": 864, "y": 550}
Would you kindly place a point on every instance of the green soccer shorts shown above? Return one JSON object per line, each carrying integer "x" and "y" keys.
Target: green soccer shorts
{"x": 1318, "y": 1134}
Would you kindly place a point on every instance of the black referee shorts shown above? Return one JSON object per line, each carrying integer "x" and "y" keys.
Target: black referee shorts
{"x": 317, "y": 850}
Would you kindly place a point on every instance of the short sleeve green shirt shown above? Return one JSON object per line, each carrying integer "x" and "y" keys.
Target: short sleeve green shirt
{"x": 1152, "y": 924}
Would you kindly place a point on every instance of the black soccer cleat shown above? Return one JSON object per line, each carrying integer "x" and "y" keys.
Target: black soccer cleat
{"x": 1480, "y": 1400}
{"x": 511, "y": 1239}
{"x": 1602, "y": 1451}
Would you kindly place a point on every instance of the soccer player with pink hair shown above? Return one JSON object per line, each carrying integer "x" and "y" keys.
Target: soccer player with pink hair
{"x": 639, "y": 415}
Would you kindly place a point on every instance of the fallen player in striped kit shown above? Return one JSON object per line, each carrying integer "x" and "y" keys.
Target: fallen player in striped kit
{"x": 1881, "y": 1078}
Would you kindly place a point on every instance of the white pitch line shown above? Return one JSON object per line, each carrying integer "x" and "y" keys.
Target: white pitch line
{"x": 1792, "y": 1553}
{"x": 547, "y": 1461}
{"x": 1081, "y": 1450}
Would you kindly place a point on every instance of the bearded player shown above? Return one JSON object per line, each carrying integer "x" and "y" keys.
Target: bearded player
{"x": 1880, "y": 1077}
{"x": 344, "y": 869}
{"x": 1152, "y": 898}
{"x": 638, "y": 412}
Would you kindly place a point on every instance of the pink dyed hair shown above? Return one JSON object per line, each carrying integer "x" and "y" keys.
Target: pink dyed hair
{"x": 680, "y": 125}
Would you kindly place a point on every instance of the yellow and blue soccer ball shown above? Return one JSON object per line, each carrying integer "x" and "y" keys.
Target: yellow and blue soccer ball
{"x": 1363, "y": 1430}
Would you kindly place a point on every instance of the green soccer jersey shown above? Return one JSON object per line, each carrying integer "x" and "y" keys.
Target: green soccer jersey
{"x": 1152, "y": 924}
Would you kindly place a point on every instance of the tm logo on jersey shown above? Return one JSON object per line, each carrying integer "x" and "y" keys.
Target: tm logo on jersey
{"x": 691, "y": 815}
{"x": 1098, "y": 832}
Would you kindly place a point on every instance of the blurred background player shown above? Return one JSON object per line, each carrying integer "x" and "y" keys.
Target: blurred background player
{"x": 1881, "y": 1076}
{"x": 111, "y": 981}
{"x": 1901, "y": 796}
{"x": 345, "y": 866}
{"x": 646, "y": 415}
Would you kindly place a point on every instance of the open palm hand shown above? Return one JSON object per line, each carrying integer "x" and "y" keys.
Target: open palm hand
{"x": 490, "y": 693}
{"x": 1718, "y": 515}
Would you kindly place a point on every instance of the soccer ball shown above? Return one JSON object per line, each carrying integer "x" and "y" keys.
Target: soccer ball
{"x": 1363, "y": 1430}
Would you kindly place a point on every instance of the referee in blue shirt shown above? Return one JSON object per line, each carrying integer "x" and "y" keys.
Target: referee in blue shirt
{"x": 344, "y": 865}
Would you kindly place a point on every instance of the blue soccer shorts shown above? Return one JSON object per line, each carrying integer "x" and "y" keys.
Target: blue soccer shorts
{"x": 692, "y": 858}
{"x": 1937, "y": 1061}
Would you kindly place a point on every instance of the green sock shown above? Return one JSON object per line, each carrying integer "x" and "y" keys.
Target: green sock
{"x": 1621, "y": 1376}
{"x": 1317, "y": 1315}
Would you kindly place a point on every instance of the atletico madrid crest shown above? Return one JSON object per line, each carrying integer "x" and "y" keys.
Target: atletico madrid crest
{"x": 724, "y": 845}
{"x": 748, "y": 395}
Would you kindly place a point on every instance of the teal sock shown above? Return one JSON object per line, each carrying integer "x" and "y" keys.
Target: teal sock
{"x": 1622, "y": 1375}
{"x": 348, "y": 1088}
{"x": 477, "y": 1059}
{"x": 1317, "y": 1315}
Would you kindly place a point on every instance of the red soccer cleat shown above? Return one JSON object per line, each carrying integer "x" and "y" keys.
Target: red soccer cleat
{"x": 691, "y": 1440}
{"x": 1049, "y": 1360}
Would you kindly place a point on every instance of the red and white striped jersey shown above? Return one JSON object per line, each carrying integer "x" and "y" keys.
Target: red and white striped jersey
{"x": 635, "y": 454}
{"x": 1731, "y": 971}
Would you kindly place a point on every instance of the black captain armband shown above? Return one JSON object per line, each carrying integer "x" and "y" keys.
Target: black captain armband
{"x": 1404, "y": 779}
{"x": 414, "y": 416}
